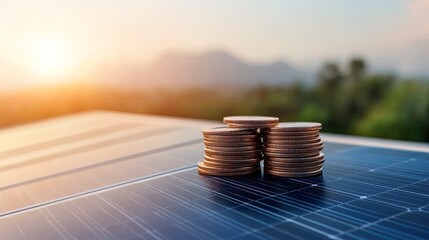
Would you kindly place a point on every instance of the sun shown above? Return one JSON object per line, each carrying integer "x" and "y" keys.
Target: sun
{"x": 49, "y": 59}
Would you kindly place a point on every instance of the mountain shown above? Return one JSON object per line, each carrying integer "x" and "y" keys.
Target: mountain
{"x": 211, "y": 69}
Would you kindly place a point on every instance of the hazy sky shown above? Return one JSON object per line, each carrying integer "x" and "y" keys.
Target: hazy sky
{"x": 58, "y": 38}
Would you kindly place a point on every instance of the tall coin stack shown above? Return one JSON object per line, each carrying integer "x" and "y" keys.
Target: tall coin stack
{"x": 235, "y": 149}
{"x": 230, "y": 151}
{"x": 293, "y": 149}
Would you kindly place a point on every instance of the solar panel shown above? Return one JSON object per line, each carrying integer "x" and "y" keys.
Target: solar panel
{"x": 140, "y": 181}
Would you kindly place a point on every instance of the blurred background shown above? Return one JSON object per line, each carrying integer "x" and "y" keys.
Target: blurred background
{"x": 359, "y": 67}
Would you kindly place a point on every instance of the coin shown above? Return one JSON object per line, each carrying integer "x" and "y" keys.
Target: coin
{"x": 294, "y": 169}
{"x": 229, "y": 164}
{"x": 293, "y": 174}
{"x": 233, "y": 149}
{"x": 203, "y": 166}
{"x": 285, "y": 164}
{"x": 233, "y": 174}
{"x": 295, "y": 126}
{"x": 292, "y": 141}
{"x": 231, "y": 144}
{"x": 234, "y": 157}
{"x": 231, "y": 158}
{"x": 251, "y": 125}
{"x": 295, "y": 133}
{"x": 223, "y": 153}
{"x": 270, "y": 137}
{"x": 250, "y": 120}
{"x": 223, "y": 130}
{"x": 204, "y": 169}
{"x": 293, "y": 146}
{"x": 235, "y": 138}
{"x": 317, "y": 157}
{"x": 290, "y": 155}
{"x": 292, "y": 150}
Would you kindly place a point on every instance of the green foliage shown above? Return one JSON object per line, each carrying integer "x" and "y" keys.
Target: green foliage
{"x": 402, "y": 114}
{"x": 357, "y": 68}
{"x": 347, "y": 101}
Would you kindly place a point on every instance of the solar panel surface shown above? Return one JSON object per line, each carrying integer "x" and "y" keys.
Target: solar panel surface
{"x": 116, "y": 176}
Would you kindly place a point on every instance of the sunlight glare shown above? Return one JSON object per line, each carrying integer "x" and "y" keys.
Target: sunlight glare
{"x": 49, "y": 59}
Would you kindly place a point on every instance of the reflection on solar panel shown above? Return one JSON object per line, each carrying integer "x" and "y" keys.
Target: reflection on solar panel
{"x": 135, "y": 178}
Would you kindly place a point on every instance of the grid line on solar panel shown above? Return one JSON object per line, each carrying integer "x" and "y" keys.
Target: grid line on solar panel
{"x": 126, "y": 214}
{"x": 330, "y": 225}
{"x": 370, "y": 224}
{"x": 177, "y": 218}
{"x": 386, "y": 180}
{"x": 37, "y": 206}
{"x": 402, "y": 199}
{"x": 356, "y": 211}
{"x": 270, "y": 212}
{"x": 227, "y": 203}
{"x": 96, "y": 165}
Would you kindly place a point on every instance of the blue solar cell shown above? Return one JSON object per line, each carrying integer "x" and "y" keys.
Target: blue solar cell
{"x": 175, "y": 231}
{"x": 403, "y": 199}
{"x": 364, "y": 193}
{"x": 349, "y": 216}
{"x": 372, "y": 208}
{"x": 325, "y": 223}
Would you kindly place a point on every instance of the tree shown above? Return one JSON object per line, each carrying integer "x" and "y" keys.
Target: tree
{"x": 356, "y": 68}
{"x": 330, "y": 77}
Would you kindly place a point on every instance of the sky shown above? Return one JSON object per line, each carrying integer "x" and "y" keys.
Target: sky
{"x": 58, "y": 39}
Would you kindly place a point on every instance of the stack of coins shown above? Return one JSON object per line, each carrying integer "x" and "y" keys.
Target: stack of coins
{"x": 293, "y": 149}
{"x": 230, "y": 151}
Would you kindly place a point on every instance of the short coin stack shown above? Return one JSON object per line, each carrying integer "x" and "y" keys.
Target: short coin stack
{"x": 230, "y": 151}
{"x": 293, "y": 149}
